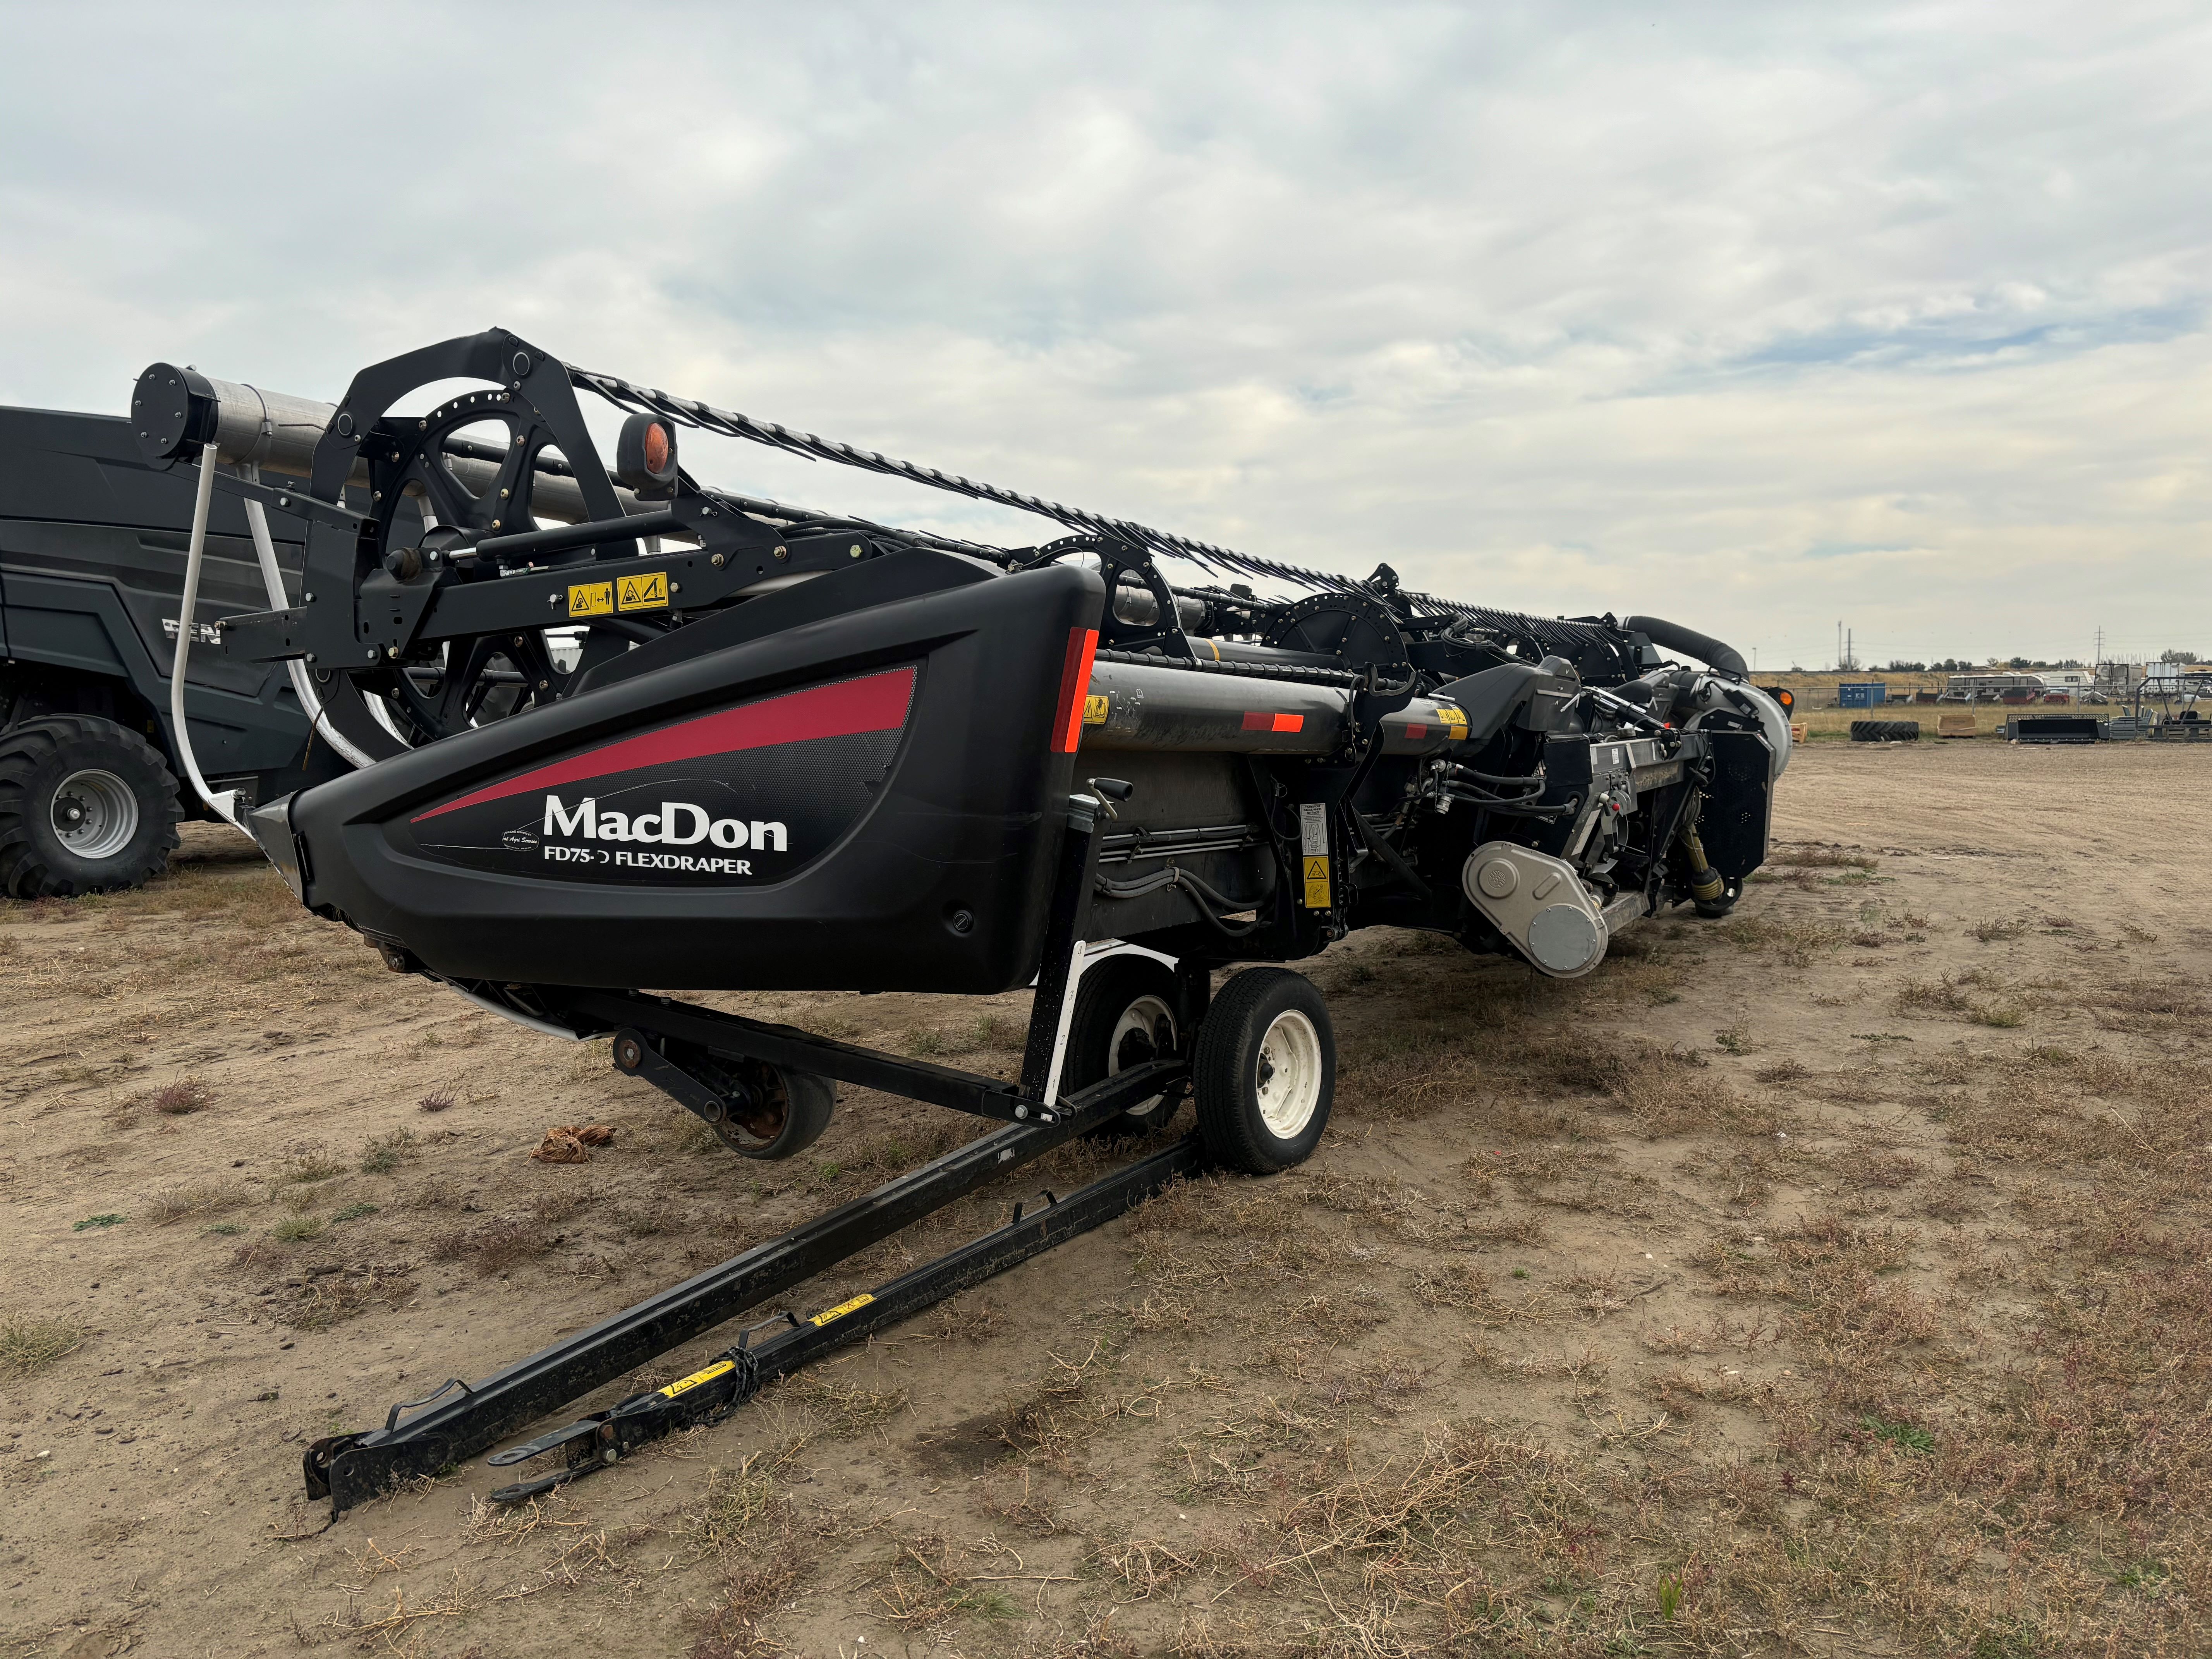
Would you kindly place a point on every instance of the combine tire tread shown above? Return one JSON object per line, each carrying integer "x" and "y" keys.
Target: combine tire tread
{"x": 36, "y": 759}
{"x": 1885, "y": 730}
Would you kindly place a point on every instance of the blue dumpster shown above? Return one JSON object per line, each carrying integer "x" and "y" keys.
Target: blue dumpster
{"x": 1863, "y": 695}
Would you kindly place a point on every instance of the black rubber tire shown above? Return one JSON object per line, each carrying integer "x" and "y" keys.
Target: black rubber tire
{"x": 1226, "y": 1070}
{"x": 36, "y": 759}
{"x": 807, "y": 1102}
{"x": 1885, "y": 730}
{"x": 1102, "y": 996}
{"x": 1714, "y": 910}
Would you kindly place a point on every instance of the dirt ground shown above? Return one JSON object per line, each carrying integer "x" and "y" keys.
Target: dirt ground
{"x": 1834, "y": 1280}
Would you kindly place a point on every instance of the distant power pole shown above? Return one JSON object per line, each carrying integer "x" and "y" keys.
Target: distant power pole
{"x": 1839, "y": 646}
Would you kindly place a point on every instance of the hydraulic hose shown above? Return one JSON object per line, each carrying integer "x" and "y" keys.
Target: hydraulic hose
{"x": 303, "y": 684}
{"x": 1205, "y": 897}
{"x": 1720, "y": 659}
{"x": 224, "y": 806}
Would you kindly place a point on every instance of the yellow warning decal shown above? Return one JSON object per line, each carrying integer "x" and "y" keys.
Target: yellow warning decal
{"x": 592, "y": 599}
{"x": 643, "y": 593}
{"x": 1454, "y": 718}
{"x": 841, "y": 1310}
{"x": 1094, "y": 709}
{"x": 1316, "y": 883}
{"x": 684, "y": 1384}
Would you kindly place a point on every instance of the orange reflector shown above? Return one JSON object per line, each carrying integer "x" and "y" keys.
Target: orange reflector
{"x": 1074, "y": 688}
{"x": 656, "y": 449}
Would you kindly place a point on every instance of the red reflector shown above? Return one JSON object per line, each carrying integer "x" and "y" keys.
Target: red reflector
{"x": 1416, "y": 729}
{"x": 1074, "y": 686}
{"x": 1255, "y": 721}
{"x": 1259, "y": 719}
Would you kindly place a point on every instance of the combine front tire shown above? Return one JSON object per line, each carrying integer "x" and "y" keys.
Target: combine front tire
{"x": 85, "y": 805}
{"x": 1265, "y": 1072}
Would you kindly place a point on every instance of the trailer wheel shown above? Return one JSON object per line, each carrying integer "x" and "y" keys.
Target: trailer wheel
{"x": 1265, "y": 1072}
{"x": 85, "y": 805}
{"x": 786, "y": 1113}
{"x": 1125, "y": 1015}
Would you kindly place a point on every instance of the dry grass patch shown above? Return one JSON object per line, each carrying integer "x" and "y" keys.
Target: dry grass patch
{"x": 498, "y": 1246}
{"x": 2145, "y": 1004}
{"x": 331, "y": 1295}
{"x": 382, "y": 1154}
{"x": 840, "y": 1410}
{"x": 181, "y": 1098}
{"x": 310, "y": 1163}
{"x": 1982, "y": 998}
{"x": 1797, "y": 941}
{"x": 199, "y": 1198}
{"x": 29, "y": 1344}
{"x": 1815, "y": 856}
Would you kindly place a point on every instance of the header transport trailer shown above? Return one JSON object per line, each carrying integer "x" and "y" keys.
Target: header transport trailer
{"x": 797, "y": 749}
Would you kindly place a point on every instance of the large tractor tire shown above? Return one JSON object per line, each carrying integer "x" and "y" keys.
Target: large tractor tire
{"x": 1885, "y": 730}
{"x": 86, "y": 806}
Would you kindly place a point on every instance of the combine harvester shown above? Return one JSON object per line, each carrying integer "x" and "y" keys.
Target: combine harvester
{"x": 614, "y": 728}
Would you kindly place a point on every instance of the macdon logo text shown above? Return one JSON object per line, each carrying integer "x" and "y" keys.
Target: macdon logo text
{"x": 678, "y": 824}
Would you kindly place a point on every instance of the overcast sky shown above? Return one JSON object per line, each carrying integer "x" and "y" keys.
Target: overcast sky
{"x": 1762, "y": 318}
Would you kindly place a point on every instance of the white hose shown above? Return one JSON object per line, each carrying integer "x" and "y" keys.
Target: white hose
{"x": 224, "y": 806}
{"x": 303, "y": 683}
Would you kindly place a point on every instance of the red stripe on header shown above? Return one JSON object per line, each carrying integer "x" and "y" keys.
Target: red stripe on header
{"x": 1074, "y": 686}
{"x": 877, "y": 702}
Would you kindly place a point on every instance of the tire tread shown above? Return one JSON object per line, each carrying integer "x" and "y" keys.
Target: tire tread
{"x": 25, "y": 872}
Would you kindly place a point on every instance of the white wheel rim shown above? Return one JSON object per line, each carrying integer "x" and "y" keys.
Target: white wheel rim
{"x": 1153, "y": 1019}
{"x": 1287, "y": 1075}
{"x": 94, "y": 813}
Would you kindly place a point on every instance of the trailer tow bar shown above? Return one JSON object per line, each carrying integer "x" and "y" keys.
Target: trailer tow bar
{"x": 714, "y": 1392}
{"x": 350, "y": 1468}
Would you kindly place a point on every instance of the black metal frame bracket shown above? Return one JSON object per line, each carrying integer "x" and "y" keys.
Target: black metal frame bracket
{"x": 716, "y": 1389}
{"x": 350, "y": 1468}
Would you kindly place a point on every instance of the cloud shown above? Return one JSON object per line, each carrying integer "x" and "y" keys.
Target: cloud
{"x": 1614, "y": 307}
